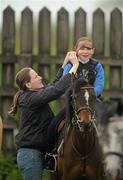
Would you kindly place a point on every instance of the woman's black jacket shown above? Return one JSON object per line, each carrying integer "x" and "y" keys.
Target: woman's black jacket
{"x": 36, "y": 115}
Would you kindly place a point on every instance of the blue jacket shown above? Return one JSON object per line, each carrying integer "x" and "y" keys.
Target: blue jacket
{"x": 99, "y": 79}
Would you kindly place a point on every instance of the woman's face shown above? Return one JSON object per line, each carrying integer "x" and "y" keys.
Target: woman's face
{"x": 35, "y": 81}
{"x": 85, "y": 50}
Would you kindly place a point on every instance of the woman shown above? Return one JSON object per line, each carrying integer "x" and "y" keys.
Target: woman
{"x": 35, "y": 116}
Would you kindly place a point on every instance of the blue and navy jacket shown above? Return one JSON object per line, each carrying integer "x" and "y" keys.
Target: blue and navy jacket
{"x": 92, "y": 70}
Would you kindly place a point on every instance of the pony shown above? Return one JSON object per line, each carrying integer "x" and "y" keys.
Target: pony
{"x": 112, "y": 142}
{"x": 81, "y": 155}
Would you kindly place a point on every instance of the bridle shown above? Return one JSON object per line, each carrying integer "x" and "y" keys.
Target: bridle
{"x": 76, "y": 120}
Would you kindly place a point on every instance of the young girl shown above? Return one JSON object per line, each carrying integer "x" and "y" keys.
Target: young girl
{"x": 89, "y": 68}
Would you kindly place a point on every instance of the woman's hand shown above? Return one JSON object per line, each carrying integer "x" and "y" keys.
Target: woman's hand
{"x": 75, "y": 62}
{"x": 70, "y": 56}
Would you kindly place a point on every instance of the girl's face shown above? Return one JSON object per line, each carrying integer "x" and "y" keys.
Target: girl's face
{"x": 85, "y": 50}
{"x": 35, "y": 81}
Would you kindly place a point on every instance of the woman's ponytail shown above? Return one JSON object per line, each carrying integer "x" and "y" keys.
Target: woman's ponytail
{"x": 13, "y": 108}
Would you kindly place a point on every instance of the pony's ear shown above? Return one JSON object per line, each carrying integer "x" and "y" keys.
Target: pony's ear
{"x": 73, "y": 77}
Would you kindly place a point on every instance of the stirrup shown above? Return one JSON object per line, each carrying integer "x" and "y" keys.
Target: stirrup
{"x": 50, "y": 162}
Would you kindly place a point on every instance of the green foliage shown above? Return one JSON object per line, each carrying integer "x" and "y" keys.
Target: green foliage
{"x": 8, "y": 168}
{"x": 46, "y": 175}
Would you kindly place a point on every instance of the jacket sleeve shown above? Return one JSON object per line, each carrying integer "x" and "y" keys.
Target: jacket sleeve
{"x": 99, "y": 81}
{"x": 67, "y": 68}
{"x": 51, "y": 92}
{"x": 58, "y": 75}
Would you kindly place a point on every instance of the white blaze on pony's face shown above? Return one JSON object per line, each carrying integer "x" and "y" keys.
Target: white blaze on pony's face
{"x": 86, "y": 95}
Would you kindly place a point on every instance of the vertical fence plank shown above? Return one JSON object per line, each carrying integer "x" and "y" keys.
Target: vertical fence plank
{"x": 80, "y": 24}
{"x": 1, "y": 133}
{"x": 98, "y": 32}
{"x": 116, "y": 46}
{"x": 26, "y": 31}
{"x": 44, "y": 71}
{"x": 116, "y": 49}
{"x": 26, "y": 38}
{"x": 62, "y": 32}
{"x": 8, "y": 31}
{"x": 116, "y": 34}
{"x": 8, "y": 49}
{"x": 44, "y": 27}
{"x": 115, "y": 80}
{"x": 8, "y": 75}
{"x": 8, "y": 52}
{"x": 44, "y": 30}
{"x": 62, "y": 39}
{"x": 8, "y": 139}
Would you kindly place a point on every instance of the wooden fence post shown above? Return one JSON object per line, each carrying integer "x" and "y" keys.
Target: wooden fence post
{"x": 1, "y": 133}
{"x": 80, "y": 27}
{"x": 7, "y": 85}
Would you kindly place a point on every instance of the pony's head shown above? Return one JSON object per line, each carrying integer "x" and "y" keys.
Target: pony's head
{"x": 81, "y": 100}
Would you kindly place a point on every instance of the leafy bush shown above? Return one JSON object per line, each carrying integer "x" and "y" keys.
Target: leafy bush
{"x": 8, "y": 168}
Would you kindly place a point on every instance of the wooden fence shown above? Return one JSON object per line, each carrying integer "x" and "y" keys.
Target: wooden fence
{"x": 45, "y": 62}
